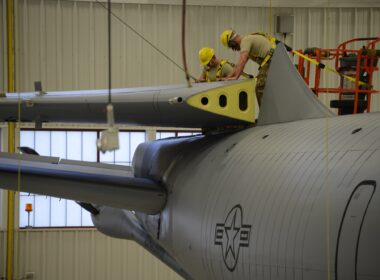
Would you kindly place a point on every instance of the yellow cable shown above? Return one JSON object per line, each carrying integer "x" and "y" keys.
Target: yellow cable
{"x": 328, "y": 68}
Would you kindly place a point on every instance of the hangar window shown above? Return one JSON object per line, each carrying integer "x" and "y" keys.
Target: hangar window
{"x": 75, "y": 145}
{"x": 169, "y": 134}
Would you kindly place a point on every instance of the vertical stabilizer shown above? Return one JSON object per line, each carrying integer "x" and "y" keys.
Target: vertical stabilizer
{"x": 286, "y": 96}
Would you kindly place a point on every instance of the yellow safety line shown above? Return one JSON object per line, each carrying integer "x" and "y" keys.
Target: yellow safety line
{"x": 323, "y": 66}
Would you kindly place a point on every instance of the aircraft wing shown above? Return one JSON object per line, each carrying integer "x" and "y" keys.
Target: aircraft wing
{"x": 95, "y": 183}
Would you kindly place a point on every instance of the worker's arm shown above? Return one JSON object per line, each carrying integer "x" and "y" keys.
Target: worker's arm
{"x": 202, "y": 78}
{"x": 238, "y": 70}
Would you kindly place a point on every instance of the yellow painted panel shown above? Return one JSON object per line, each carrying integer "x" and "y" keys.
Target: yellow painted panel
{"x": 229, "y": 101}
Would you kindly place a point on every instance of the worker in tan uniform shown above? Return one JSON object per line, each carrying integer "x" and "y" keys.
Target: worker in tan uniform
{"x": 258, "y": 47}
{"x": 214, "y": 68}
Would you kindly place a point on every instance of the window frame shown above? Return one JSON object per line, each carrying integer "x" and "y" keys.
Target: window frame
{"x": 98, "y": 160}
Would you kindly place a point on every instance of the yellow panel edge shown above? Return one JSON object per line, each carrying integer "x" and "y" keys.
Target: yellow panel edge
{"x": 224, "y": 101}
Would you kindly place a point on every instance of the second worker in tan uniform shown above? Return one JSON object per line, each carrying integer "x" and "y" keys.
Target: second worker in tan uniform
{"x": 258, "y": 47}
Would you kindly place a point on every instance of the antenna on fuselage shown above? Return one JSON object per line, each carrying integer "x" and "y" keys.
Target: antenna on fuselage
{"x": 109, "y": 138}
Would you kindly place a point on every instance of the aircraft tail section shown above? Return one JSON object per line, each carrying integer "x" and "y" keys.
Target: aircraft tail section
{"x": 286, "y": 96}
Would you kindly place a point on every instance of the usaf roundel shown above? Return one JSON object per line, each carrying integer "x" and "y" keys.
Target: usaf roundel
{"x": 231, "y": 236}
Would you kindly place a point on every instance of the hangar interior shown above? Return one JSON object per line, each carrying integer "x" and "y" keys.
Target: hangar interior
{"x": 63, "y": 44}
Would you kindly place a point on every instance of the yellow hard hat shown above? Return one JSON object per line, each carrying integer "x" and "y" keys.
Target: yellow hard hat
{"x": 225, "y": 37}
{"x": 205, "y": 55}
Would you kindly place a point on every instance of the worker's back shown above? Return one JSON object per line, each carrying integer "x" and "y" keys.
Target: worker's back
{"x": 257, "y": 46}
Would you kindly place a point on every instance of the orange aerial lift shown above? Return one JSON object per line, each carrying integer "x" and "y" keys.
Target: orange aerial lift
{"x": 355, "y": 67}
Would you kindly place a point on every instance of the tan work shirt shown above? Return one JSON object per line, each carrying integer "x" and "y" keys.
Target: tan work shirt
{"x": 211, "y": 74}
{"x": 257, "y": 47}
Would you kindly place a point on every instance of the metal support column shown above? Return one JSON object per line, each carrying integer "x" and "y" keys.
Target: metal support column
{"x": 11, "y": 136}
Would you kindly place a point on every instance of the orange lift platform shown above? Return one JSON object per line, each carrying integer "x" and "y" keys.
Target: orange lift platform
{"x": 355, "y": 68}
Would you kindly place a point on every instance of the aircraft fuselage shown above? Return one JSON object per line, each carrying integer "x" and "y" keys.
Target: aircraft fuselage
{"x": 269, "y": 202}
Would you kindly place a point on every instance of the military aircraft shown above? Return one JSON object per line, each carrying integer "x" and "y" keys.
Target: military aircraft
{"x": 293, "y": 197}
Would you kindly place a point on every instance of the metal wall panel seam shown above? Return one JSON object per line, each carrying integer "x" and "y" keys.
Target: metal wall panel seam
{"x": 16, "y": 46}
{"x": 75, "y": 41}
{"x": 91, "y": 46}
{"x": 42, "y": 43}
{"x": 76, "y": 256}
{"x": 124, "y": 260}
{"x": 3, "y": 252}
{"x": 156, "y": 24}
{"x": 42, "y": 249}
{"x": 141, "y": 45}
{"x": 108, "y": 254}
{"x": 27, "y": 250}
{"x": 169, "y": 34}
{"x": 58, "y": 23}
{"x": 371, "y": 23}
{"x": 25, "y": 43}
{"x": 309, "y": 31}
{"x": 123, "y": 36}
{"x": 59, "y": 273}
{"x": 3, "y": 54}
{"x": 16, "y": 261}
{"x": 92, "y": 255}
{"x": 355, "y": 23}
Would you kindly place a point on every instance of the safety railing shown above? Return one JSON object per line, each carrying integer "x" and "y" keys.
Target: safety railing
{"x": 355, "y": 68}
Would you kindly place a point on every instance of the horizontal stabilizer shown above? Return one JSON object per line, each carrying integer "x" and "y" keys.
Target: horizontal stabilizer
{"x": 95, "y": 183}
{"x": 201, "y": 106}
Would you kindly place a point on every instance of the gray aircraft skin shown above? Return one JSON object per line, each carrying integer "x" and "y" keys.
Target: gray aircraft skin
{"x": 291, "y": 198}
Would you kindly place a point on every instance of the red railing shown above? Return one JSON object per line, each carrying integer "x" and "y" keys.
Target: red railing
{"x": 366, "y": 59}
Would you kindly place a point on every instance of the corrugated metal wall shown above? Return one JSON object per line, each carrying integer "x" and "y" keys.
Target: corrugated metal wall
{"x": 82, "y": 254}
{"x": 63, "y": 44}
{"x": 3, "y": 66}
